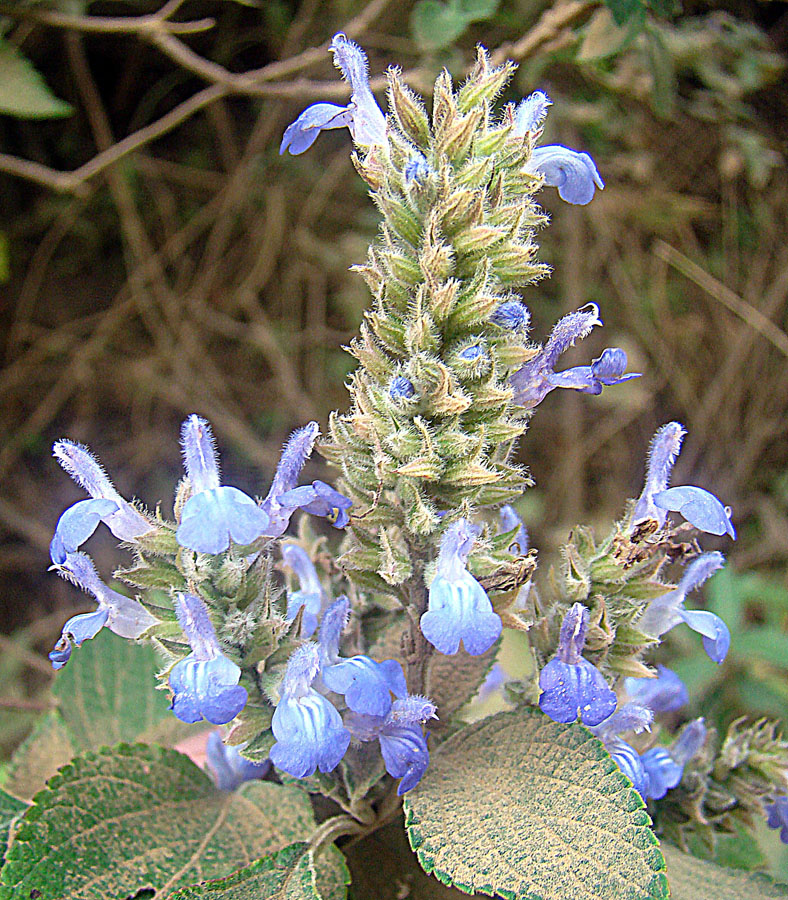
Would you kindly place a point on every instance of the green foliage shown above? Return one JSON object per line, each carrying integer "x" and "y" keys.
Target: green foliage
{"x": 288, "y": 874}
{"x": 137, "y": 816}
{"x": 692, "y": 878}
{"x": 41, "y": 754}
{"x": 558, "y": 812}
{"x": 23, "y": 92}
{"x": 11, "y": 808}
{"x": 436, "y": 24}
{"x": 107, "y": 692}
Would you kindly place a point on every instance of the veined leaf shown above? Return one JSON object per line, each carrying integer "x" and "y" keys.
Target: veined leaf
{"x": 136, "y": 817}
{"x": 23, "y": 92}
{"x": 288, "y": 874}
{"x": 10, "y": 810}
{"x": 39, "y": 756}
{"x": 559, "y": 819}
{"x": 107, "y": 692}
{"x": 691, "y": 878}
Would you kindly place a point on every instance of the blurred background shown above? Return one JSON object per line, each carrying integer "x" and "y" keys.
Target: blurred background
{"x": 158, "y": 257}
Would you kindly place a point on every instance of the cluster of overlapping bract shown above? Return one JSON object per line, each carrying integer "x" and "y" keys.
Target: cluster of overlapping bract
{"x": 446, "y": 383}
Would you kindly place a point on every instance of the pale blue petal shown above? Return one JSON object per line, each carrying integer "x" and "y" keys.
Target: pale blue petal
{"x": 665, "y": 693}
{"x": 230, "y": 770}
{"x": 301, "y": 134}
{"x": 662, "y": 772}
{"x": 460, "y": 610}
{"x": 699, "y": 507}
{"x": 530, "y": 113}
{"x": 630, "y": 763}
{"x": 199, "y": 454}
{"x": 366, "y": 684}
{"x": 212, "y": 518}
{"x": 76, "y": 525}
{"x": 716, "y": 636}
{"x": 78, "y": 629}
{"x": 309, "y": 735}
{"x": 574, "y": 174}
{"x": 311, "y": 603}
{"x": 572, "y": 690}
{"x": 206, "y": 689}
{"x": 405, "y": 754}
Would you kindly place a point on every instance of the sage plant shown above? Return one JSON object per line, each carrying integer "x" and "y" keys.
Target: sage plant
{"x": 345, "y": 666}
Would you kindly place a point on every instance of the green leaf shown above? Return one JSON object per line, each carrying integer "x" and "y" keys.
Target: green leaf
{"x": 765, "y": 644}
{"x": 23, "y": 92}
{"x": 107, "y": 692}
{"x": 435, "y": 25}
{"x": 39, "y": 756}
{"x": 624, "y": 10}
{"x": 332, "y": 874}
{"x": 136, "y": 817}
{"x": 288, "y": 874}
{"x": 604, "y": 36}
{"x": 10, "y": 810}
{"x": 692, "y": 878}
{"x": 558, "y": 818}
{"x": 476, "y": 10}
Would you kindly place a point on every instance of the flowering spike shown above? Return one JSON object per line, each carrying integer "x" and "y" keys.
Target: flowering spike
{"x": 308, "y": 729}
{"x": 205, "y": 683}
{"x": 125, "y": 523}
{"x": 665, "y": 447}
{"x": 229, "y": 769}
{"x": 667, "y": 611}
{"x": 310, "y": 594}
{"x": 571, "y": 686}
{"x": 199, "y": 454}
{"x": 574, "y": 174}
{"x": 531, "y": 113}
{"x": 665, "y": 693}
{"x": 699, "y": 507}
{"x": 459, "y": 608}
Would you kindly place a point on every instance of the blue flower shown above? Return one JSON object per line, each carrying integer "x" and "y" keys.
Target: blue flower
{"x": 77, "y": 524}
{"x": 530, "y": 113}
{"x": 125, "y": 617}
{"x": 512, "y": 315}
{"x": 362, "y": 115}
{"x": 509, "y": 520}
{"x": 699, "y": 507}
{"x": 571, "y": 686}
{"x": 533, "y": 380}
{"x": 417, "y": 169}
{"x": 665, "y": 448}
{"x": 664, "y": 767}
{"x": 459, "y": 608}
{"x": 574, "y": 174}
{"x": 402, "y": 742}
{"x": 608, "y": 369}
{"x": 308, "y": 729}
{"x": 665, "y": 693}
{"x": 367, "y": 685}
{"x": 319, "y": 499}
{"x": 205, "y": 683}
{"x": 74, "y": 527}
{"x": 310, "y": 594}
{"x": 213, "y": 515}
{"x": 229, "y": 769}
{"x": 401, "y": 388}
{"x": 667, "y": 611}
{"x": 631, "y": 717}
{"x": 777, "y": 813}
{"x": 284, "y": 498}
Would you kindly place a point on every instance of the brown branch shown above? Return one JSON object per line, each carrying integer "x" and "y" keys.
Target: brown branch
{"x": 109, "y": 24}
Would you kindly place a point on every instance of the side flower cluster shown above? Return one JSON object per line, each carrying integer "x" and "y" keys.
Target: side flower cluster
{"x": 310, "y": 731}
